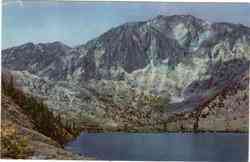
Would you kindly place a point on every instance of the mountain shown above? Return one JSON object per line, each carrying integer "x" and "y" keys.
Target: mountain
{"x": 131, "y": 46}
{"x": 133, "y": 68}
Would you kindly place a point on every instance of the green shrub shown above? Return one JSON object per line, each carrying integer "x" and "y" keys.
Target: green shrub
{"x": 159, "y": 103}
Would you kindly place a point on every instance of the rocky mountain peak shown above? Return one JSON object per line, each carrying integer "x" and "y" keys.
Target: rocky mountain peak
{"x": 43, "y": 59}
{"x": 28, "y": 45}
{"x": 178, "y": 18}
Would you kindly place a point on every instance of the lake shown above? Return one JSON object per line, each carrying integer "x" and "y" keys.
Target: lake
{"x": 217, "y": 147}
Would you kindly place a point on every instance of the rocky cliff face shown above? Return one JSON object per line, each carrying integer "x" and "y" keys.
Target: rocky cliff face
{"x": 180, "y": 57}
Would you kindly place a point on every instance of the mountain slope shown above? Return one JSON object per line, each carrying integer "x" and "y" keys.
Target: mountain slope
{"x": 25, "y": 128}
{"x": 17, "y": 128}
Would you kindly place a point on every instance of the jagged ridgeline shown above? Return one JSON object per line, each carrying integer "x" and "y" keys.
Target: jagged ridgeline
{"x": 170, "y": 73}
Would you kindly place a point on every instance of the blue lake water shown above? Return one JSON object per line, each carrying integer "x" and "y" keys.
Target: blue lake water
{"x": 217, "y": 147}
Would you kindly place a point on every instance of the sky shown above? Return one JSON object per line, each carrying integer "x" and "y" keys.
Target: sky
{"x": 75, "y": 23}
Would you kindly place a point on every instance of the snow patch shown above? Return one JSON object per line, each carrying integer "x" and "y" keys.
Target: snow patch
{"x": 176, "y": 99}
{"x": 180, "y": 32}
{"x": 194, "y": 45}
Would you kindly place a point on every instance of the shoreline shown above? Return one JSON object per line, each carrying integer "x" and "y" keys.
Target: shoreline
{"x": 163, "y": 132}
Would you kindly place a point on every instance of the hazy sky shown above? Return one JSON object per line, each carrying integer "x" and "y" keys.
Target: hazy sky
{"x": 75, "y": 23}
